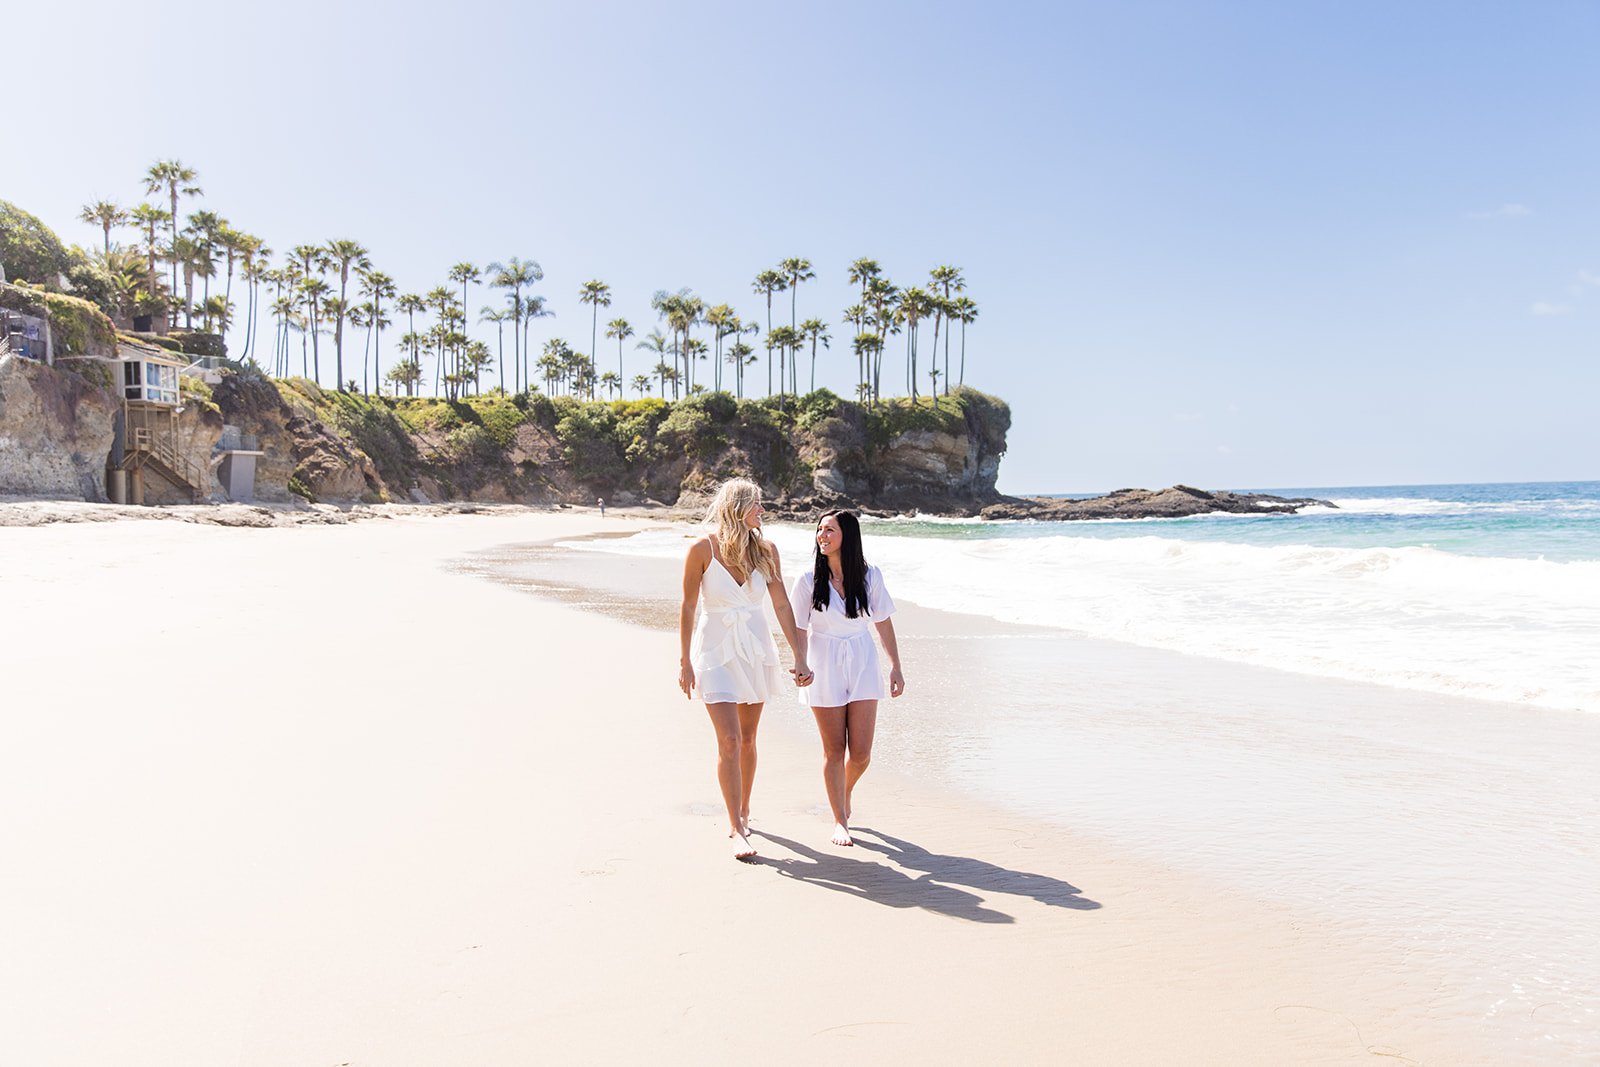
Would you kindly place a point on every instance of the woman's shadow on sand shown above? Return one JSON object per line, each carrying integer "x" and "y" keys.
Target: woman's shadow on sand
{"x": 933, "y": 890}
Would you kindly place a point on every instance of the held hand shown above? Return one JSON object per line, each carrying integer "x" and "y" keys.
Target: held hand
{"x": 897, "y": 682}
{"x": 686, "y": 680}
{"x": 802, "y": 674}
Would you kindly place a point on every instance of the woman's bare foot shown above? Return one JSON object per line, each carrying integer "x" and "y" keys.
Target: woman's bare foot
{"x": 841, "y": 835}
{"x": 743, "y": 849}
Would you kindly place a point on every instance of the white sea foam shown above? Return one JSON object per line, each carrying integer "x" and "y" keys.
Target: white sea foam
{"x": 1501, "y": 629}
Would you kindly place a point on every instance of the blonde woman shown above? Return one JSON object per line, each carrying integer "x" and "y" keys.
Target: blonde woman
{"x": 729, "y": 659}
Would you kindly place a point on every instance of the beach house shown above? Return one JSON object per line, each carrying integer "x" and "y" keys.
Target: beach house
{"x": 146, "y": 440}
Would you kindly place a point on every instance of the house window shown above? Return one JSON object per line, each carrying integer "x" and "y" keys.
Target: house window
{"x": 132, "y": 381}
{"x": 161, "y": 383}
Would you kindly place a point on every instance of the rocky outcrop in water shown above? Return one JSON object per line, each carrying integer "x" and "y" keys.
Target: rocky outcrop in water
{"x": 1177, "y": 502}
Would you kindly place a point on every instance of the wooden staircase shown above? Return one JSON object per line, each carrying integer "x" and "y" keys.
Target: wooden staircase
{"x": 149, "y": 448}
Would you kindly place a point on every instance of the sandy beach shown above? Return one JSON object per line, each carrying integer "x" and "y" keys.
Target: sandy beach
{"x": 325, "y": 795}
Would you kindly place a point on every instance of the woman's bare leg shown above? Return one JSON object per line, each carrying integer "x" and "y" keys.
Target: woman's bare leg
{"x": 725, "y": 721}
{"x": 831, "y": 725}
{"x": 861, "y": 723}
{"x": 749, "y": 719}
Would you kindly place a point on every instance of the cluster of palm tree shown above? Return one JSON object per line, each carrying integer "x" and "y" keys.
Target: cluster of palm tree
{"x": 326, "y": 290}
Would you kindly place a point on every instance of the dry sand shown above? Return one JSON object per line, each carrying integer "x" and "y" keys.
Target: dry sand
{"x": 317, "y": 796}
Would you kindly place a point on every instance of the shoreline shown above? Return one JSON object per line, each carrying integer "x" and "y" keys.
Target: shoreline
{"x": 359, "y": 842}
{"x": 1250, "y": 779}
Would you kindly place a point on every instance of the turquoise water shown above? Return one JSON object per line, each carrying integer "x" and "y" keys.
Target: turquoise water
{"x": 1556, "y": 521}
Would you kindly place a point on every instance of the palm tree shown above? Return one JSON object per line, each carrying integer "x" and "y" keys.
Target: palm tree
{"x": 740, "y": 355}
{"x": 125, "y": 269}
{"x": 314, "y": 294}
{"x": 334, "y": 307}
{"x": 556, "y": 362}
{"x": 693, "y": 349}
{"x": 880, "y": 293}
{"x": 283, "y": 311}
{"x": 816, "y": 330}
{"x": 611, "y": 382}
{"x": 665, "y": 372}
{"x": 963, "y": 310}
{"x": 206, "y": 228}
{"x": 641, "y": 384}
{"x": 408, "y": 372}
{"x": 344, "y": 254}
{"x": 796, "y": 271}
{"x": 597, "y": 294}
{"x": 173, "y": 178}
{"x": 411, "y": 303}
{"x": 106, "y": 214}
{"x": 948, "y": 280}
{"x": 477, "y": 357}
{"x": 499, "y": 318}
{"x": 769, "y": 282}
{"x": 377, "y": 287}
{"x": 785, "y": 339}
{"x": 515, "y": 274}
{"x": 656, "y": 344}
{"x": 533, "y": 307}
{"x": 866, "y": 345}
{"x": 861, "y": 272}
{"x": 186, "y": 250}
{"x": 621, "y": 330}
{"x": 680, "y": 310}
{"x": 233, "y": 244}
{"x": 690, "y": 309}
{"x": 464, "y": 274}
{"x": 718, "y": 318}
{"x": 245, "y": 248}
{"x": 149, "y": 218}
{"x": 211, "y": 310}
{"x": 442, "y": 301}
{"x": 915, "y": 305}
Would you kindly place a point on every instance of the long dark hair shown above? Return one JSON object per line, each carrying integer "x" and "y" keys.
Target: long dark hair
{"x": 851, "y": 561}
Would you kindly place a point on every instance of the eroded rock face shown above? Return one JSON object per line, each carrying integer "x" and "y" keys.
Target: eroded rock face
{"x": 253, "y": 405}
{"x": 55, "y": 432}
{"x": 295, "y": 447}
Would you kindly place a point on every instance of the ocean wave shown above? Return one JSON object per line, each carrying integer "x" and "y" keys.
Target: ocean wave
{"x": 1521, "y": 630}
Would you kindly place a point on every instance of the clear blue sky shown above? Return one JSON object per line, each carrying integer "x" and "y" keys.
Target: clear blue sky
{"x": 1231, "y": 244}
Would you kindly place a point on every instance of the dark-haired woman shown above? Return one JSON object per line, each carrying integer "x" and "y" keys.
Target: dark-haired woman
{"x": 839, "y": 602}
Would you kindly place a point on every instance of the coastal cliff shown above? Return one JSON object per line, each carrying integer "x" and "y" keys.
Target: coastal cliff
{"x": 342, "y": 447}
{"x": 57, "y": 434}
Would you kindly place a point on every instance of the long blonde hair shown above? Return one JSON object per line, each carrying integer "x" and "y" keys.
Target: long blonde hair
{"x": 742, "y": 548}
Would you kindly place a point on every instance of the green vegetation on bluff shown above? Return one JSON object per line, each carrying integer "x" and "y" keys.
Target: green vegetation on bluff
{"x": 532, "y": 445}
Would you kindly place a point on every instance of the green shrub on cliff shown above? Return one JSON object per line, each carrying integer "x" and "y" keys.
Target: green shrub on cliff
{"x": 589, "y": 440}
{"x": 77, "y": 327}
{"x": 30, "y": 250}
{"x": 637, "y": 424}
{"x": 699, "y": 425}
{"x": 944, "y": 414}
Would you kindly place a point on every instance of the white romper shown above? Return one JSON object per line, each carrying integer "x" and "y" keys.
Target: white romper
{"x": 734, "y": 657}
{"x": 841, "y": 651}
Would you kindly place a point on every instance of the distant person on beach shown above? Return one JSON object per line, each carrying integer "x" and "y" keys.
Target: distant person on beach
{"x": 729, "y": 659}
{"x": 602, "y": 503}
{"x": 839, "y": 602}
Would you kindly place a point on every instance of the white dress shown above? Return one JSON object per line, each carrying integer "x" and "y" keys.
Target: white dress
{"x": 734, "y": 657}
{"x": 841, "y": 651}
